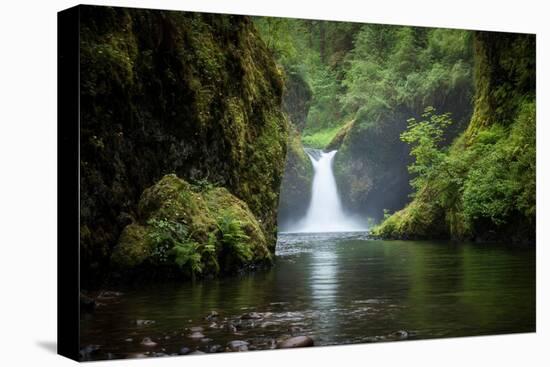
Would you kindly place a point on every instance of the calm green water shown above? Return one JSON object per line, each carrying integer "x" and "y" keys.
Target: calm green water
{"x": 337, "y": 289}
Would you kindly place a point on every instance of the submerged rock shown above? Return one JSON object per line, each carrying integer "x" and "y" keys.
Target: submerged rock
{"x": 183, "y": 351}
{"x": 296, "y": 342}
{"x": 251, "y": 316}
{"x": 148, "y": 342}
{"x": 212, "y": 315}
{"x": 197, "y": 352}
{"x": 88, "y": 351}
{"x": 196, "y": 335}
{"x": 230, "y": 328}
{"x": 87, "y": 304}
{"x": 216, "y": 348}
{"x": 144, "y": 322}
{"x": 237, "y": 346}
{"x": 399, "y": 335}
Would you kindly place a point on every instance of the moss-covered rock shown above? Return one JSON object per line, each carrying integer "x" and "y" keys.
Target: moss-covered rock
{"x": 340, "y": 136}
{"x": 296, "y": 186}
{"x": 419, "y": 220}
{"x": 162, "y": 92}
{"x": 174, "y": 213}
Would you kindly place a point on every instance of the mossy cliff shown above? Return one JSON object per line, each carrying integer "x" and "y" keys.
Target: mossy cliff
{"x": 485, "y": 188}
{"x": 297, "y": 180}
{"x": 163, "y": 92}
{"x": 297, "y": 97}
{"x": 298, "y": 175}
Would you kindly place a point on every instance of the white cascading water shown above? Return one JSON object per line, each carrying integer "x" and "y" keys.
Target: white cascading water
{"x": 325, "y": 213}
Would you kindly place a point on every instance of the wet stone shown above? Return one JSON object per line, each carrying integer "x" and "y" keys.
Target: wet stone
{"x": 212, "y": 315}
{"x": 183, "y": 351}
{"x": 148, "y": 342}
{"x": 216, "y": 348}
{"x": 251, "y": 316}
{"x": 196, "y": 335}
{"x": 237, "y": 346}
{"x": 296, "y": 342}
{"x": 144, "y": 322}
{"x": 196, "y": 352}
{"x": 399, "y": 335}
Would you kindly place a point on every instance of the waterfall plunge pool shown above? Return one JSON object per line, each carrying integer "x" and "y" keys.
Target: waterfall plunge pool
{"x": 337, "y": 289}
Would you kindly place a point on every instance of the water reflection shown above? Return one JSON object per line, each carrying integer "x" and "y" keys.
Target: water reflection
{"x": 338, "y": 289}
{"x": 323, "y": 278}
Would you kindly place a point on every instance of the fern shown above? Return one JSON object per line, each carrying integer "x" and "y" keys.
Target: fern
{"x": 233, "y": 236}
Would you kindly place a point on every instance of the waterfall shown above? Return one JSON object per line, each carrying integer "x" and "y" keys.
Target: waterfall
{"x": 325, "y": 213}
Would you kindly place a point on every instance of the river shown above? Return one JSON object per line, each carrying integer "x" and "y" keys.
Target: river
{"x": 335, "y": 288}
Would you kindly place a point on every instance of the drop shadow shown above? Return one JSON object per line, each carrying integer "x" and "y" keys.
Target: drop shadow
{"x": 50, "y": 346}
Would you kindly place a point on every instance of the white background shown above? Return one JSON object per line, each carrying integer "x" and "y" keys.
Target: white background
{"x": 28, "y": 182}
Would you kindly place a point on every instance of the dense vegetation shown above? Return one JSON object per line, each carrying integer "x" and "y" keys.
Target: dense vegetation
{"x": 214, "y": 105}
{"x": 196, "y": 95}
{"x": 366, "y": 81}
{"x": 484, "y": 185}
{"x": 441, "y": 121}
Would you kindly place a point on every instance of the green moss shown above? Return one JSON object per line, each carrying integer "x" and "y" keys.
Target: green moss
{"x": 133, "y": 246}
{"x": 321, "y": 138}
{"x": 340, "y": 136}
{"x": 179, "y": 229}
{"x": 419, "y": 220}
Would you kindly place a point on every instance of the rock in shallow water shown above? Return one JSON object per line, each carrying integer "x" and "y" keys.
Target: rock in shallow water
{"x": 144, "y": 322}
{"x": 197, "y": 352}
{"x": 147, "y": 342}
{"x": 183, "y": 351}
{"x": 212, "y": 315}
{"x": 237, "y": 346}
{"x": 196, "y": 335}
{"x": 89, "y": 350}
{"x": 251, "y": 316}
{"x": 399, "y": 335}
{"x": 296, "y": 342}
{"x": 215, "y": 348}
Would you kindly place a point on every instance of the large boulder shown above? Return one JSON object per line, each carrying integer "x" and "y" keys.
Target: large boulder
{"x": 186, "y": 230}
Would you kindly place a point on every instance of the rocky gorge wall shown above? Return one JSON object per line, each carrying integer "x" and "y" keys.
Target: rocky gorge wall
{"x": 190, "y": 94}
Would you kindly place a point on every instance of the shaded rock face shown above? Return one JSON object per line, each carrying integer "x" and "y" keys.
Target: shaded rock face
{"x": 296, "y": 186}
{"x": 162, "y": 92}
{"x": 297, "y": 97}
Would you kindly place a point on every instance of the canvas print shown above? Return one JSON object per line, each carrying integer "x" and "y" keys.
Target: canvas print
{"x": 254, "y": 183}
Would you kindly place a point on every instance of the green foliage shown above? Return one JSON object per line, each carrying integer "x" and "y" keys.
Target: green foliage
{"x": 425, "y": 138}
{"x": 320, "y": 138}
{"x": 171, "y": 239}
{"x": 233, "y": 237}
{"x": 487, "y": 184}
{"x": 502, "y": 180}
